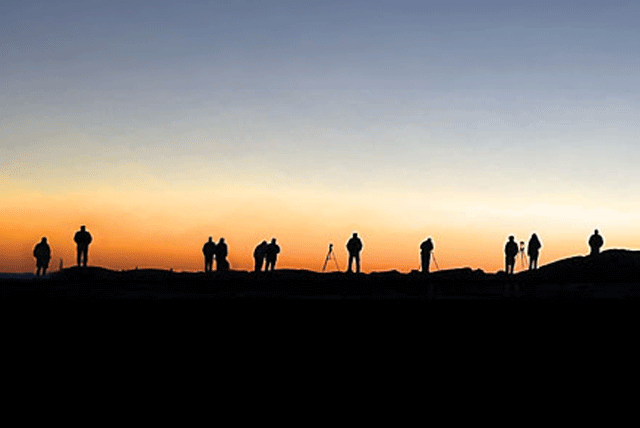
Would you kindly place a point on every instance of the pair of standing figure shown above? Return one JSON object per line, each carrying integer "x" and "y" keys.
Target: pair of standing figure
{"x": 511, "y": 250}
{"x": 219, "y": 250}
{"x": 42, "y": 251}
{"x": 268, "y": 252}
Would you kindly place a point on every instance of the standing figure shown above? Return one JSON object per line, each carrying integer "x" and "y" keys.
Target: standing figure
{"x": 42, "y": 253}
{"x": 425, "y": 254}
{"x": 82, "y": 240}
{"x": 221, "y": 256}
{"x": 259, "y": 254}
{"x": 272, "y": 254}
{"x": 595, "y": 242}
{"x": 209, "y": 250}
{"x": 533, "y": 251}
{"x": 354, "y": 246}
{"x": 510, "y": 252}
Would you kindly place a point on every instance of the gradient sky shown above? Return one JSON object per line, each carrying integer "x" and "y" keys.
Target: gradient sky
{"x": 158, "y": 124}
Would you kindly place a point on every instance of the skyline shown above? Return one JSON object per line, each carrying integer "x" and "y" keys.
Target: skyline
{"x": 159, "y": 124}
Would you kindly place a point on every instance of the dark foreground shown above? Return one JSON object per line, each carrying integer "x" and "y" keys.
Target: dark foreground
{"x": 615, "y": 274}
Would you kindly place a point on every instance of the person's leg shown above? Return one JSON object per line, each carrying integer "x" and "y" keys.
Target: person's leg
{"x": 350, "y": 263}
{"x": 85, "y": 256}
{"x": 358, "y": 263}
{"x": 79, "y": 256}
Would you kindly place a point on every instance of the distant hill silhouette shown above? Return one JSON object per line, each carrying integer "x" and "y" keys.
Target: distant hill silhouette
{"x": 611, "y": 274}
{"x": 611, "y": 266}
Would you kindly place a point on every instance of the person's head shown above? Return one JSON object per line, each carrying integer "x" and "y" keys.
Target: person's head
{"x": 82, "y": 228}
{"x": 512, "y": 238}
{"x": 533, "y": 235}
{"x": 273, "y": 240}
{"x": 264, "y": 242}
{"x": 210, "y": 239}
{"x": 355, "y": 235}
{"x": 44, "y": 239}
{"x": 221, "y": 239}
{"x": 429, "y": 239}
{"x": 595, "y": 231}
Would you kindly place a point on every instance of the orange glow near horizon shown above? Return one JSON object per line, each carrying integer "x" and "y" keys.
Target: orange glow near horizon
{"x": 133, "y": 230}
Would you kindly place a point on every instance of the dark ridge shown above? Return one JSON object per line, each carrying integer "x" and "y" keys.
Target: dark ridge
{"x": 611, "y": 274}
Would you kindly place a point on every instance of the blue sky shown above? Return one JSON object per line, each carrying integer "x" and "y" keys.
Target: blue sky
{"x": 336, "y": 80}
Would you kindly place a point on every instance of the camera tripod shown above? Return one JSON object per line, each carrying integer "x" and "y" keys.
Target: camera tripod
{"x": 330, "y": 256}
{"x": 433, "y": 257}
{"x": 523, "y": 257}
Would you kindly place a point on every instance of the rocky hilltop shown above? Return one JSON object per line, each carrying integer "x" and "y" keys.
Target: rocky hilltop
{"x": 612, "y": 274}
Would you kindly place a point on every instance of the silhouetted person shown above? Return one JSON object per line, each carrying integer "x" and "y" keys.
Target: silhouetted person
{"x": 82, "y": 240}
{"x": 533, "y": 251}
{"x": 209, "y": 250}
{"x": 595, "y": 242}
{"x": 425, "y": 254}
{"x": 42, "y": 253}
{"x": 272, "y": 254}
{"x": 510, "y": 252}
{"x": 221, "y": 255}
{"x": 259, "y": 254}
{"x": 354, "y": 246}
